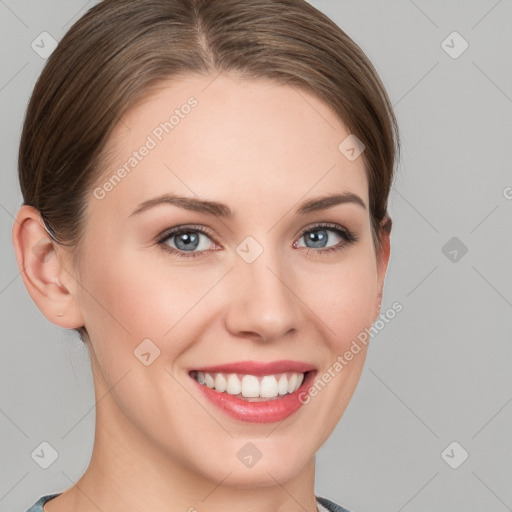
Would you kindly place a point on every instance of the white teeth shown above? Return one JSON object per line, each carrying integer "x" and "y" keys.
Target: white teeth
{"x": 292, "y": 383}
{"x": 220, "y": 383}
{"x": 251, "y": 386}
{"x": 268, "y": 387}
{"x": 282, "y": 385}
{"x": 233, "y": 386}
{"x": 208, "y": 380}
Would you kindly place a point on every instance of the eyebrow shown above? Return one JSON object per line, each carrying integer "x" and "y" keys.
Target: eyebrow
{"x": 222, "y": 210}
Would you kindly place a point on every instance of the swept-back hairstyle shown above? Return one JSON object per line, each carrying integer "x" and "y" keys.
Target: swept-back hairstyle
{"x": 121, "y": 50}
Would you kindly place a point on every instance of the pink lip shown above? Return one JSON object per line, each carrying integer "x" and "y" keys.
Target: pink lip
{"x": 258, "y": 368}
{"x": 258, "y": 412}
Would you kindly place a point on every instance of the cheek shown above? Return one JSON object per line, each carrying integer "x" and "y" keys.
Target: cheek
{"x": 343, "y": 297}
{"x": 133, "y": 296}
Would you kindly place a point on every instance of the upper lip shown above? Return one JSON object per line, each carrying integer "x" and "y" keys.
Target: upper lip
{"x": 258, "y": 368}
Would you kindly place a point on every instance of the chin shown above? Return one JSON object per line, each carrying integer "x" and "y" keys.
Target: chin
{"x": 250, "y": 466}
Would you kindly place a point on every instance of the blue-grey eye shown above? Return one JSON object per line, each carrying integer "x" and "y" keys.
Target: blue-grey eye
{"x": 318, "y": 238}
{"x": 189, "y": 241}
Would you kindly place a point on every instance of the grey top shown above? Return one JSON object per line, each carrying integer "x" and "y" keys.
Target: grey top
{"x": 323, "y": 504}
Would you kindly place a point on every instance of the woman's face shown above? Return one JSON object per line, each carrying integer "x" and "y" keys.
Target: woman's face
{"x": 262, "y": 285}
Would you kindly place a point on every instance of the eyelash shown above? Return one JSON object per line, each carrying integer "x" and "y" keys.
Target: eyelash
{"x": 344, "y": 233}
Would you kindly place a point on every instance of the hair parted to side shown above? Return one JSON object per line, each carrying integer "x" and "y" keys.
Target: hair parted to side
{"x": 121, "y": 50}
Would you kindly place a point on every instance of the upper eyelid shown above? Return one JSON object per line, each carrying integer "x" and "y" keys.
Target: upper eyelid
{"x": 184, "y": 228}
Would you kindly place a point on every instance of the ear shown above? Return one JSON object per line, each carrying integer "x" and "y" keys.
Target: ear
{"x": 41, "y": 263}
{"x": 382, "y": 260}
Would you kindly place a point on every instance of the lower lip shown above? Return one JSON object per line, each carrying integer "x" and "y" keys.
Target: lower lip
{"x": 258, "y": 412}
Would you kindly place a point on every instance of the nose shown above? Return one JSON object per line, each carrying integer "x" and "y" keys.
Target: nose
{"x": 262, "y": 303}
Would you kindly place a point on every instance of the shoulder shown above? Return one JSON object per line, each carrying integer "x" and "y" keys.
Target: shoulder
{"x": 38, "y": 505}
{"x": 327, "y": 505}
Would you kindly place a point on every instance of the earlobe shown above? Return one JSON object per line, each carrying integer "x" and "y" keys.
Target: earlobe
{"x": 41, "y": 269}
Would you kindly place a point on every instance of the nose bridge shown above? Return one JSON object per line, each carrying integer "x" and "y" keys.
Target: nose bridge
{"x": 262, "y": 302}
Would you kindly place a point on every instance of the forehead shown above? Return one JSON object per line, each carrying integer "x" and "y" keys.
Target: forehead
{"x": 224, "y": 138}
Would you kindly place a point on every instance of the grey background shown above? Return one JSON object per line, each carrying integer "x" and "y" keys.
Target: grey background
{"x": 439, "y": 372}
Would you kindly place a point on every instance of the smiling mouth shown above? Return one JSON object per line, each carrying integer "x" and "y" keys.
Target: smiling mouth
{"x": 251, "y": 388}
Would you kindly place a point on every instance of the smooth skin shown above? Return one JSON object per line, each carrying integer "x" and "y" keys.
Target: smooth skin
{"x": 262, "y": 149}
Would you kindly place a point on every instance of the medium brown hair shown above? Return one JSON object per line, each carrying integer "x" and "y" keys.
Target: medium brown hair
{"x": 121, "y": 50}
